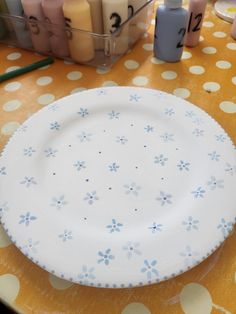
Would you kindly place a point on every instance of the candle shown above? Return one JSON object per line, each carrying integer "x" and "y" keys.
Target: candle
{"x": 97, "y": 21}
{"x": 137, "y": 24}
{"x": 233, "y": 29}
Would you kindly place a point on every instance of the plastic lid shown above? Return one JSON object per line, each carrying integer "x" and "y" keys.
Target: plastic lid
{"x": 173, "y": 4}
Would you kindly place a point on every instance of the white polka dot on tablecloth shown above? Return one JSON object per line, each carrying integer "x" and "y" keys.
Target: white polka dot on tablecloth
{"x": 201, "y": 38}
{"x": 13, "y": 68}
{"x": 14, "y": 56}
{"x": 195, "y": 299}
{"x": 157, "y": 61}
{"x": 11, "y": 105}
{"x": 211, "y": 86}
{"x": 9, "y": 128}
{"x": 12, "y": 87}
{"x": 207, "y": 24}
{"x": 103, "y": 71}
{"x": 78, "y": 90}
{"x": 196, "y": 69}
{"x": 209, "y": 50}
{"x": 228, "y": 106}
{"x": 219, "y": 34}
{"x": 58, "y": 283}
{"x": 145, "y": 35}
{"x": 153, "y": 22}
{"x": 131, "y": 64}
{"x": 68, "y": 62}
{"x": 221, "y": 64}
{"x": 74, "y": 75}
{"x": 45, "y": 99}
{"x": 140, "y": 80}
{"x": 168, "y": 75}
{"x": 234, "y": 80}
{"x": 186, "y": 55}
{"x": 135, "y": 308}
{"x": 142, "y": 26}
{"x": 9, "y": 288}
{"x": 4, "y": 239}
{"x": 148, "y": 47}
{"x": 231, "y": 46}
{"x": 109, "y": 83}
{"x": 44, "y": 80}
{"x": 181, "y": 92}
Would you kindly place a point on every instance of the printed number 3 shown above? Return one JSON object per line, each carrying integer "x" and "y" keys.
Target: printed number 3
{"x": 117, "y": 21}
{"x": 181, "y": 32}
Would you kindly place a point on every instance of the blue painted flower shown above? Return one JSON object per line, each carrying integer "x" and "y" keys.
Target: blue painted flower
{"x": 149, "y": 128}
{"x": 91, "y": 197}
{"x": 3, "y": 208}
{"x": 230, "y": 169}
{"x": 101, "y": 92}
{"x": 191, "y": 224}
{"x": 214, "y": 184}
{"x": 150, "y": 269}
{"x": 225, "y": 226}
{"x": 169, "y": 111}
{"x": 131, "y": 249}
{"x": 30, "y": 247}
{"x": 121, "y": 139}
{"x": 199, "y": 192}
{"x": 59, "y": 202}
{"x": 189, "y": 256}
{"x": 53, "y": 107}
{"x": 164, "y": 198}
{"x": 85, "y": 137}
{"x": 29, "y": 151}
{"x": 28, "y": 181}
{"x": 26, "y": 219}
{"x": 79, "y": 165}
{"x": 159, "y": 94}
{"x": 214, "y": 156}
{"x": 134, "y": 97}
{"x": 167, "y": 137}
{"x": 114, "y": 226}
{"x": 50, "y": 152}
{"x": 105, "y": 257}
{"x": 198, "y": 121}
{"x": 183, "y": 165}
{"x": 66, "y": 235}
{"x": 132, "y": 188}
{"x": 86, "y": 274}
{"x": 55, "y": 126}
{"x": 114, "y": 115}
{"x": 161, "y": 159}
{"x": 198, "y": 133}
{"x": 220, "y": 138}
{"x": 189, "y": 114}
{"x": 22, "y": 128}
{"x": 155, "y": 227}
{"x": 113, "y": 167}
{"x": 83, "y": 112}
{"x": 3, "y": 171}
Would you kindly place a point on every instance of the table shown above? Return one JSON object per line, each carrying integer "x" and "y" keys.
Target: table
{"x": 206, "y": 76}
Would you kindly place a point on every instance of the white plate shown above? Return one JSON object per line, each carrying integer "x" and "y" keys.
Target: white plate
{"x": 226, "y": 9}
{"x": 118, "y": 187}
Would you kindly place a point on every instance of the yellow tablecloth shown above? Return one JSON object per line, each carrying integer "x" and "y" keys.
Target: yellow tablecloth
{"x": 206, "y": 76}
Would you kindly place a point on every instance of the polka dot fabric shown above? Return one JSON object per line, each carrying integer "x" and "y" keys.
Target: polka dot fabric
{"x": 206, "y": 76}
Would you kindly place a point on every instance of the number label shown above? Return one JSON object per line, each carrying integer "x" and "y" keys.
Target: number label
{"x": 68, "y": 31}
{"x": 34, "y": 25}
{"x": 181, "y": 32}
{"x": 197, "y": 19}
{"x": 116, "y": 20}
{"x": 131, "y": 10}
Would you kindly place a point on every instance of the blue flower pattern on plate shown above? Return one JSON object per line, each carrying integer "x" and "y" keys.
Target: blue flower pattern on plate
{"x": 55, "y": 126}
{"x": 155, "y": 227}
{"x": 114, "y": 226}
{"x": 101, "y": 92}
{"x": 167, "y": 137}
{"x": 59, "y": 202}
{"x": 3, "y": 208}
{"x": 26, "y": 219}
{"x": 132, "y": 188}
{"x": 183, "y": 165}
{"x": 131, "y": 249}
{"x": 3, "y": 171}
{"x": 230, "y": 169}
{"x": 121, "y": 139}
{"x": 198, "y": 132}
{"x": 105, "y": 257}
{"x": 214, "y": 156}
{"x": 190, "y": 224}
{"x": 83, "y": 112}
{"x": 220, "y": 138}
{"x": 161, "y": 160}
{"x": 79, "y": 165}
{"x": 190, "y": 256}
{"x": 113, "y": 167}
{"x": 85, "y": 137}
{"x": 214, "y": 183}
{"x": 66, "y": 235}
{"x": 164, "y": 198}
{"x": 50, "y": 152}
{"x": 149, "y": 128}
{"x": 150, "y": 269}
{"x": 91, "y": 197}
{"x": 134, "y": 97}
{"x": 199, "y": 192}
{"x": 30, "y": 247}
{"x": 86, "y": 274}
{"x": 225, "y": 226}
{"x": 198, "y": 121}
{"x": 28, "y": 181}
{"x": 189, "y": 114}
{"x": 29, "y": 151}
{"x": 169, "y": 112}
{"x": 114, "y": 115}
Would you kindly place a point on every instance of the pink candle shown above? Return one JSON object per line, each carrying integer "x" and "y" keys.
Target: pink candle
{"x": 233, "y": 29}
{"x": 39, "y": 33}
{"x": 54, "y": 14}
{"x": 196, "y": 14}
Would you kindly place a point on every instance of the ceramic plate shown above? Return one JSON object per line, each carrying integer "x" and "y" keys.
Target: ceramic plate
{"x": 118, "y": 187}
{"x": 226, "y": 9}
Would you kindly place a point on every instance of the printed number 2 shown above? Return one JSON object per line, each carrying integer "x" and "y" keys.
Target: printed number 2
{"x": 181, "y": 32}
{"x": 198, "y": 19}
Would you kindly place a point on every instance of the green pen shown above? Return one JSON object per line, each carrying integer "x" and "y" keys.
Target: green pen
{"x": 26, "y": 69}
